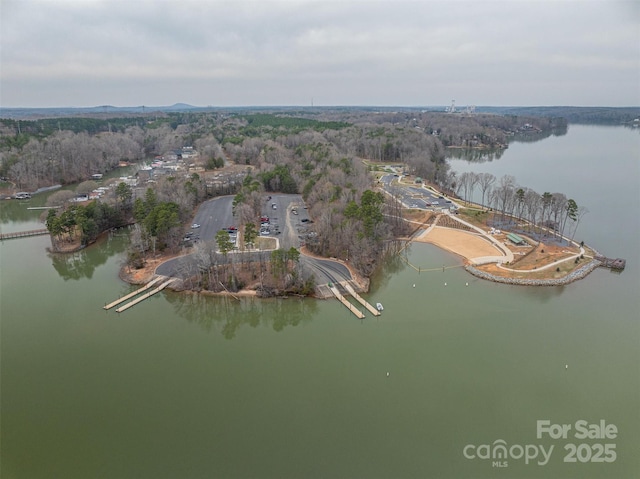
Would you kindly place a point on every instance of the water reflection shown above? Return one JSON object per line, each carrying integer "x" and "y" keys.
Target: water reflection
{"x": 474, "y": 155}
{"x": 390, "y": 266}
{"x": 17, "y": 210}
{"x": 543, "y": 294}
{"x": 227, "y": 315}
{"x": 83, "y": 263}
{"x": 531, "y": 137}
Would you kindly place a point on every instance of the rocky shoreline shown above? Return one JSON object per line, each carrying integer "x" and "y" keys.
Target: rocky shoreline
{"x": 575, "y": 275}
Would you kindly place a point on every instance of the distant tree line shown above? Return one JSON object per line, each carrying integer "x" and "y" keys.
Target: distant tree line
{"x": 589, "y": 115}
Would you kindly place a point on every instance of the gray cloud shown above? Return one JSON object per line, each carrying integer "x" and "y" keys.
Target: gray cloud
{"x": 78, "y": 53}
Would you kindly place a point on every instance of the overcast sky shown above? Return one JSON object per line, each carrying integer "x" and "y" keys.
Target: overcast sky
{"x": 342, "y": 52}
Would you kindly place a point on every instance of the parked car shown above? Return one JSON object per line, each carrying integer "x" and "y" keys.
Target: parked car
{"x": 195, "y": 225}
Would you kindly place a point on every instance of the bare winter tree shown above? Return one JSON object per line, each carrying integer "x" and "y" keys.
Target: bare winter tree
{"x": 60, "y": 198}
{"x": 532, "y": 201}
{"x": 504, "y": 194}
{"x": 486, "y": 181}
{"x": 581, "y": 211}
{"x": 558, "y": 211}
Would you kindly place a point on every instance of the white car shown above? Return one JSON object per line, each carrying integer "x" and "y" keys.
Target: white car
{"x": 195, "y": 225}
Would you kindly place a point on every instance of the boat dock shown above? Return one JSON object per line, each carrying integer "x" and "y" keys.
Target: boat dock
{"x": 23, "y": 234}
{"x": 360, "y": 299}
{"x": 359, "y": 314}
{"x": 167, "y": 282}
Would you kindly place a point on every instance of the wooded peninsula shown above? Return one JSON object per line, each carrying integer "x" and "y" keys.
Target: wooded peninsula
{"x": 333, "y": 158}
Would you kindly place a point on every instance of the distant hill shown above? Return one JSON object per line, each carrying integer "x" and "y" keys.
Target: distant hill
{"x": 53, "y": 112}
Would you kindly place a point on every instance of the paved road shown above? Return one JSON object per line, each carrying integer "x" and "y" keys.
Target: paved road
{"x": 325, "y": 270}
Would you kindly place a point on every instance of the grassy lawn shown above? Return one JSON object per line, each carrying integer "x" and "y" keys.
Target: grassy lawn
{"x": 264, "y": 243}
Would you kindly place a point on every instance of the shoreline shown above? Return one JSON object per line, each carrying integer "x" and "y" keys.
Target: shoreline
{"x": 575, "y": 275}
{"x": 471, "y": 247}
{"x": 474, "y": 248}
{"x": 146, "y": 274}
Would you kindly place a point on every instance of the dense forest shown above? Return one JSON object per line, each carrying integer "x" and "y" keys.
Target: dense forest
{"x": 317, "y": 154}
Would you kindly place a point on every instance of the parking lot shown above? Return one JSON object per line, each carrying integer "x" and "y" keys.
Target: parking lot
{"x": 283, "y": 217}
{"x": 415, "y": 196}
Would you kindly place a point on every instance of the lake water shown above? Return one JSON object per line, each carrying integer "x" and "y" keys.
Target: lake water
{"x": 185, "y": 386}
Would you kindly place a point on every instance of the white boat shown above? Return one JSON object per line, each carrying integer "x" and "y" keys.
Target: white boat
{"x": 379, "y": 306}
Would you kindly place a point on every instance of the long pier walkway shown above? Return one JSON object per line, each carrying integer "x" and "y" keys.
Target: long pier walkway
{"x": 147, "y": 287}
{"x": 23, "y": 234}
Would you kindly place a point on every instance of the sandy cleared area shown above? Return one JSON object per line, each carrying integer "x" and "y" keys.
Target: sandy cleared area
{"x": 465, "y": 244}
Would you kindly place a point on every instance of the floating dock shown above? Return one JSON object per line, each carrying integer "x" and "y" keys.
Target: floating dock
{"x": 360, "y": 299}
{"x": 145, "y": 296}
{"x": 167, "y": 281}
{"x": 134, "y": 293}
{"x": 359, "y": 314}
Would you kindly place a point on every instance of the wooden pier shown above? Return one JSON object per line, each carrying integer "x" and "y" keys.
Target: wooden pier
{"x": 359, "y": 314}
{"x": 147, "y": 287}
{"x": 23, "y": 234}
{"x": 145, "y": 296}
{"x": 617, "y": 263}
{"x": 134, "y": 293}
{"x": 360, "y": 299}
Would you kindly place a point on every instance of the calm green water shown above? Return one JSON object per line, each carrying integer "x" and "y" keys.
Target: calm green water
{"x": 183, "y": 386}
